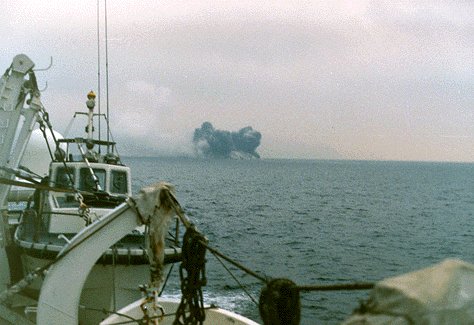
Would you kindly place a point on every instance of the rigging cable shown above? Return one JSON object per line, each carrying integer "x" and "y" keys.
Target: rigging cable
{"x": 61, "y": 156}
{"x": 236, "y": 280}
{"x": 109, "y": 312}
{"x": 106, "y": 71}
{"x": 98, "y": 64}
{"x": 114, "y": 298}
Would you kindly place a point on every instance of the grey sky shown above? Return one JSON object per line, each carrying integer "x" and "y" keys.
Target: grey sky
{"x": 367, "y": 79}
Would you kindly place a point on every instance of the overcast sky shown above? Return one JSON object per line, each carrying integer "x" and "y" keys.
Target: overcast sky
{"x": 390, "y": 80}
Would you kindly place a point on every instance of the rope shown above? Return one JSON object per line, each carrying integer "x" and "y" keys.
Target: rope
{"x": 109, "y": 312}
{"x": 62, "y": 157}
{"x": 114, "y": 293}
{"x": 191, "y": 308}
{"x": 42, "y": 128}
{"x": 140, "y": 321}
{"x": 236, "y": 280}
{"x": 337, "y": 287}
{"x": 240, "y": 266}
{"x": 166, "y": 281}
{"x": 279, "y": 303}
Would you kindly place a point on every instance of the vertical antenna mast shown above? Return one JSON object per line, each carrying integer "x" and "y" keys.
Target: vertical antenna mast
{"x": 108, "y": 132}
{"x": 98, "y": 63}
{"x": 107, "y": 75}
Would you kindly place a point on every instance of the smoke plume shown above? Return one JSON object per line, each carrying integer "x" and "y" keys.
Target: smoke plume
{"x": 209, "y": 142}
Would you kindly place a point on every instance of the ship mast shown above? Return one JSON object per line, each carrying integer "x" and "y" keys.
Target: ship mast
{"x": 90, "y": 105}
{"x": 98, "y": 66}
{"x": 106, "y": 72}
{"x": 107, "y": 75}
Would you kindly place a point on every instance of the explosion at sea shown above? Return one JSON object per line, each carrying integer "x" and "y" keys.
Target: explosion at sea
{"x": 213, "y": 143}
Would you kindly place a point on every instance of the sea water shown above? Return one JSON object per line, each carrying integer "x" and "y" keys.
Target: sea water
{"x": 317, "y": 223}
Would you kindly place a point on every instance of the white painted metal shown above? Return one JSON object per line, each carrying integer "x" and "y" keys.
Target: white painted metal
{"x": 97, "y": 291}
{"x": 11, "y": 87}
{"x": 214, "y": 316}
{"x": 11, "y": 105}
{"x": 61, "y": 290}
{"x": 60, "y": 221}
{"x": 12, "y": 98}
{"x": 31, "y": 115}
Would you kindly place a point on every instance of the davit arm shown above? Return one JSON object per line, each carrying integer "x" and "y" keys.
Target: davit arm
{"x": 14, "y": 88}
{"x": 61, "y": 290}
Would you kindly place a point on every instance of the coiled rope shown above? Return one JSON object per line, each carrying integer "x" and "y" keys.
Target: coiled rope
{"x": 193, "y": 278}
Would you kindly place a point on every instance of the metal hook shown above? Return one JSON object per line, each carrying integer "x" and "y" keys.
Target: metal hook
{"x": 62, "y": 236}
{"x": 45, "y": 87}
{"x": 49, "y": 67}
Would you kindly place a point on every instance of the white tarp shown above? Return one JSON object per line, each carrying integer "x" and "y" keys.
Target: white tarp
{"x": 156, "y": 211}
{"x": 439, "y": 295}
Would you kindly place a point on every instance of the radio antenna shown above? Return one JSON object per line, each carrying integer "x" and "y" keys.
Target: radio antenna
{"x": 98, "y": 63}
{"x": 107, "y": 74}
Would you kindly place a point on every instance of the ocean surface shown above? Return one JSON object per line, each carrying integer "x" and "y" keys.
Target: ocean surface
{"x": 317, "y": 223}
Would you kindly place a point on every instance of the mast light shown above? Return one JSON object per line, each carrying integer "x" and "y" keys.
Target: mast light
{"x": 91, "y": 100}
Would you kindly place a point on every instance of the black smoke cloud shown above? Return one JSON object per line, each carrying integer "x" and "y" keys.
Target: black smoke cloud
{"x": 209, "y": 142}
